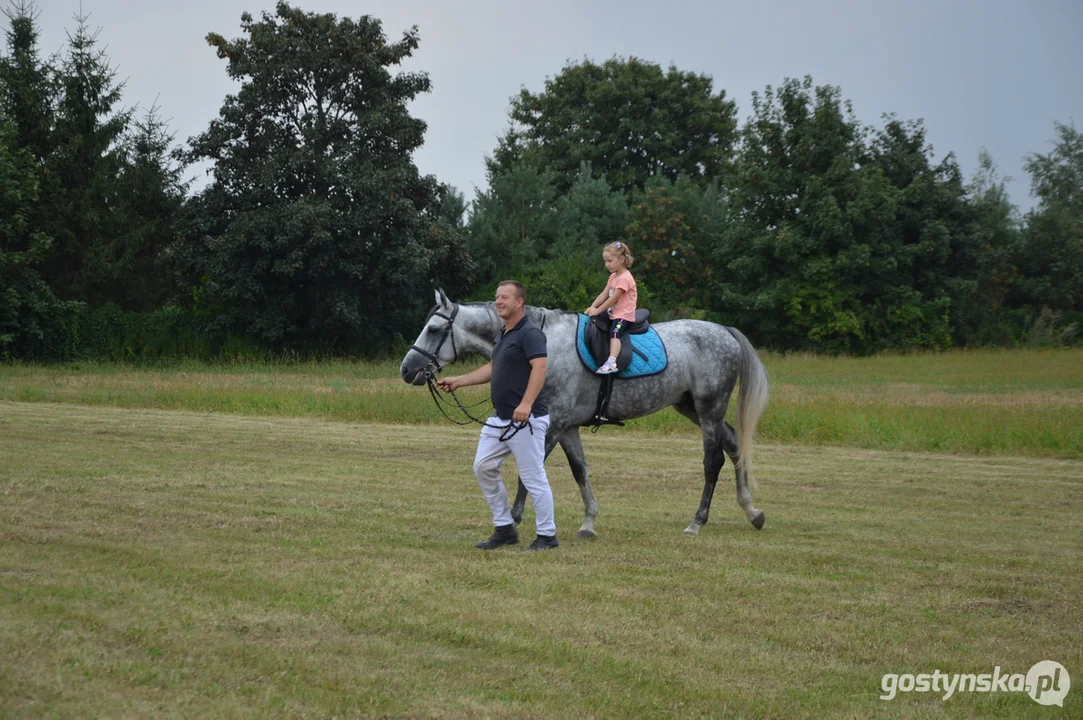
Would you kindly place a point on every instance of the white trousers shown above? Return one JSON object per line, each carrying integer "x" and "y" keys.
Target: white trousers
{"x": 529, "y": 451}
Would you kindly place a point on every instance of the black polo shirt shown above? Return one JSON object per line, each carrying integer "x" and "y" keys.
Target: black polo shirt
{"x": 511, "y": 368}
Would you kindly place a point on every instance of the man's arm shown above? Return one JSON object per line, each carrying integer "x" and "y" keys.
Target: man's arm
{"x": 538, "y": 368}
{"x": 476, "y": 377}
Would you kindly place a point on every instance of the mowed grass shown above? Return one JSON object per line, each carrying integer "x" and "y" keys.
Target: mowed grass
{"x": 1019, "y": 402}
{"x": 179, "y": 564}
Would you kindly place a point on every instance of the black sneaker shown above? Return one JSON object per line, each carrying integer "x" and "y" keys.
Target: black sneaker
{"x": 503, "y": 535}
{"x": 544, "y": 542}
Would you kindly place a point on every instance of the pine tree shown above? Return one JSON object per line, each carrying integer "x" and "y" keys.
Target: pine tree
{"x": 151, "y": 193}
{"x": 81, "y": 191}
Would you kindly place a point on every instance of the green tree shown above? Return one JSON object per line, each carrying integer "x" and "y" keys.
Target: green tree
{"x": 785, "y": 262}
{"x": 28, "y": 307}
{"x": 1052, "y": 257}
{"x": 931, "y": 236}
{"x": 28, "y": 92}
{"x": 151, "y": 192}
{"x": 81, "y": 190}
{"x": 312, "y": 228}
{"x": 446, "y": 257}
{"x": 514, "y": 223}
{"x": 451, "y": 206}
{"x": 996, "y": 233}
{"x": 30, "y": 314}
{"x": 628, "y": 119}
{"x": 673, "y": 229}
{"x": 589, "y": 216}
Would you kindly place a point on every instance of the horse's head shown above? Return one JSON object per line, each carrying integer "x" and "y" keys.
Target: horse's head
{"x": 436, "y": 346}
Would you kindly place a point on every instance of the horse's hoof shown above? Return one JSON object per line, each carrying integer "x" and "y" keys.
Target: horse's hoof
{"x": 759, "y": 520}
{"x": 585, "y": 535}
{"x": 692, "y": 529}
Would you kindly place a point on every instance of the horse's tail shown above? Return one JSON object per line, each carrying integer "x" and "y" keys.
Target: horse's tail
{"x": 751, "y": 403}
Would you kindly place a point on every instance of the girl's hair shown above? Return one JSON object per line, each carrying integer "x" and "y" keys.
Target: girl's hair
{"x": 621, "y": 250}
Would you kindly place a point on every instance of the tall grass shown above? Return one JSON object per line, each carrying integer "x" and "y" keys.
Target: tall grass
{"x": 1018, "y": 402}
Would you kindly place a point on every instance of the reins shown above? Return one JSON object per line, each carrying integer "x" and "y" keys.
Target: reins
{"x": 507, "y": 431}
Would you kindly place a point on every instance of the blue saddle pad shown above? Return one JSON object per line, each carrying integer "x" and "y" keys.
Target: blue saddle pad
{"x": 648, "y": 352}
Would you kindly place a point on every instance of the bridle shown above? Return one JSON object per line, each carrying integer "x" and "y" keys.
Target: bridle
{"x": 433, "y": 367}
{"x": 434, "y": 356}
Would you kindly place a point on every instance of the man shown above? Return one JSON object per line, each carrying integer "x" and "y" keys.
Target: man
{"x": 517, "y": 372}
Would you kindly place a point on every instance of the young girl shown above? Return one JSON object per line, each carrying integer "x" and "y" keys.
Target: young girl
{"x": 619, "y": 298}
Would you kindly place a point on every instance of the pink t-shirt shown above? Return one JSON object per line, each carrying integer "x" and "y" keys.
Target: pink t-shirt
{"x": 625, "y": 308}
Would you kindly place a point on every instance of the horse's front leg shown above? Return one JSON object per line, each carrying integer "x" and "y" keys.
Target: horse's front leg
{"x": 519, "y": 504}
{"x": 517, "y": 507}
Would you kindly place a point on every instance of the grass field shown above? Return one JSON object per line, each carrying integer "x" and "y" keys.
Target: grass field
{"x": 291, "y": 541}
{"x": 977, "y": 402}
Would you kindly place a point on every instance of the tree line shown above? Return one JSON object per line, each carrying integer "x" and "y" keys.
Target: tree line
{"x": 316, "y": 234}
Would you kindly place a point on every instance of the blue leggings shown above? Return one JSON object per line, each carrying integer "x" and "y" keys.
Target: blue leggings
{"x": 618, "y": 329}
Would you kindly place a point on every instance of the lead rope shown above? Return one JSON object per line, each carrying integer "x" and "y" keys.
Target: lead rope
{"x": 507, "y": 432}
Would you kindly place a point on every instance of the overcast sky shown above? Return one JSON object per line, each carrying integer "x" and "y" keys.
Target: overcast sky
{"x": 991, "y": 74}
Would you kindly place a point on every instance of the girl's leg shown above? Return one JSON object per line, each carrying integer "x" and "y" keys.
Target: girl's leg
{"x": 610, "y": 365}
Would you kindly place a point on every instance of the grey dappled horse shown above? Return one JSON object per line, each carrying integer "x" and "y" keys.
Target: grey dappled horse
{"x": 705, "y": 362}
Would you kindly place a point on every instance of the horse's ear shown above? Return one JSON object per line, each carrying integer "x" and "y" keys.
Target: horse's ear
{"x": 441, "y": 299}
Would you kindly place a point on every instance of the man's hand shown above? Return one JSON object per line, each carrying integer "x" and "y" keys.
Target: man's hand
{"x": 522, "y": 413}
{"x": 450, "y": 384}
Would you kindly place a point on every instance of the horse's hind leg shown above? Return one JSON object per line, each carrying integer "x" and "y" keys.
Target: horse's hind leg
{"x": 744, "y": 494}
{"x": 727, "y": 441}
{"x": 713, "y": 460}
{"x": 573, "y": 448}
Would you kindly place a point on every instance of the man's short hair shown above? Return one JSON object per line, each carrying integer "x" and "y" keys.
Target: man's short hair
{"x": 520, "y": 291}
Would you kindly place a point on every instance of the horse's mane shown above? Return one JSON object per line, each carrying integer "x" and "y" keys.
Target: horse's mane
{"x": 533, "y": 311}
{"x": 540, "y": 315}
{"x": 556, "y": 311}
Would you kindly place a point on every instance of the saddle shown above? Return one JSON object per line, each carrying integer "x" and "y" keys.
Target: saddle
{"x": 596, "y": 338}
